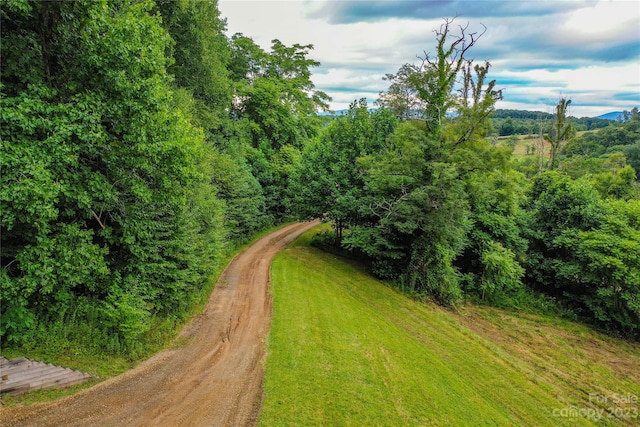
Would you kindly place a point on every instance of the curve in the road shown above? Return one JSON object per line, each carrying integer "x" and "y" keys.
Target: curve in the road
{"x": 214, "y": 380}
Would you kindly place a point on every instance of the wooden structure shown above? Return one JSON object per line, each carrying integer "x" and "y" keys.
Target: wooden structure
{"x": 20, "y": 375}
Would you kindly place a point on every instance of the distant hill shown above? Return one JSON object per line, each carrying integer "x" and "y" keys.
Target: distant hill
{"x": 614, "y": 115}
{"x": 521, "y": 114}
{"x": 506, "y": 113}
{"x": 339, "y": 112}
{"x": 524, "y": 122}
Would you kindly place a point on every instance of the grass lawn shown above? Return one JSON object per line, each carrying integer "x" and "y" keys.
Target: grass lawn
{"x": 345, "y": 349}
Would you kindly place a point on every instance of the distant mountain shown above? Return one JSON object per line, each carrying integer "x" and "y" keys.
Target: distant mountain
{"x": 340, "y": 112}
{"x": 333, "y": 113}
{"x": 501, "y": 114}
{"x": 614, "y": 115}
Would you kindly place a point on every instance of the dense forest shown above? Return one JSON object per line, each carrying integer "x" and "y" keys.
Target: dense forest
{"x": 522, "y": 122}
{"x": 140, "y": 145}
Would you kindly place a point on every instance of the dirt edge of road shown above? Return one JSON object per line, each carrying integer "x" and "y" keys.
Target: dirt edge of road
{"x": 213, "y": 380}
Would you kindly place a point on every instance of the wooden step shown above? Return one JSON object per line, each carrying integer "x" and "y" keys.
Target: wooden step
{"x": 15, "y": 365}
{"x": 20, "y": 375}
{"x": 25, "y": 365}
{"x": 58, "y": 381}
{"x": 27, "y": 375}
{"x": 4, "y": 362}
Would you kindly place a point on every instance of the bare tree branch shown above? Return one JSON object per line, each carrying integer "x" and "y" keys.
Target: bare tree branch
{"x": 97, "y": 218}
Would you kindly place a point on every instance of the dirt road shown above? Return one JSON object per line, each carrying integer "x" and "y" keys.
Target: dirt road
{"x": 214, "y": 380}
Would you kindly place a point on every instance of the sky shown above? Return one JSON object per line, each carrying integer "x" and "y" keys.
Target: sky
{"x": 540, "y": 51}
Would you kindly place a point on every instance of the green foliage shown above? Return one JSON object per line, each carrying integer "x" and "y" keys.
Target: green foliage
{"x": 274, "y": 89}
{"x": 245, "y": 202}
{"x": 602, "y": 151}
{"x": 199, "y": 50}
{"x": 417, "y": 216}
{"x": 276, "y": 101}
{"x": 609, "y": 174}
{"x": 632, "y": 153}
{"x": 330, "y": 180}
{"x": 501, "y": 272}
{"x": 139, "y": 144}
{"x": 491, "y": 259}
{"x": 52, "y": 244}
{"x": 618, "y": 182}
{"x": 586, "y": 250}
{"x": 101, "y": 195}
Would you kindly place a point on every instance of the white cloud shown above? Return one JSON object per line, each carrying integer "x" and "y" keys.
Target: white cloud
{"x": 604, "y": 19}
{"x": 588, "y": 87}
{"x": 587, "y": 50}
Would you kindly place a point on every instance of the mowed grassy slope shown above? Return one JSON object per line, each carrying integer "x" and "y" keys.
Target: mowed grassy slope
{"x": 345, "y": 349}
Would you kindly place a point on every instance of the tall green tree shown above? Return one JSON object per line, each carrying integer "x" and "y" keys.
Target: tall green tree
{"x": 419, "y": 211}
{"x": 275, "y": 103}
{"x": 104, "y": 207}
{"x": 199, "y": 50}
{"x": 435, "y": 84}
{"x": 274, "y": 91}
{"x": 201, "y": 58}
{"x": 561, "y": 132}
{"x": 417, "y": 216}
{"x": 330, "y": 181}
{"x": 585, "y": 251}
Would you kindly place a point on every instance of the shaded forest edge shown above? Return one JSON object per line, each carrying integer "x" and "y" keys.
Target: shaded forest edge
{"x": 141, "y": 146}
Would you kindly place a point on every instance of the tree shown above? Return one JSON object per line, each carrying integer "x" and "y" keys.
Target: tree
{"x": 199, "y": 50}
{"x": 200, "y": 54}
{"x": 632, "y": 153}
{"x": 507, "y": 128}
{"x": 331, "y": 176}
{"x": 495, "y": 247}
{"x": 585, "y": 251}
{"x": 275, "y": 104}
{"x": 402, "y": 95}
{"x": 618, "y": 179}
{"x": 417, "y": 220}
{"x": 561, "y": 132}
{"x": 435, "y": 83}
{"x": 416, "y": 214}
{"x": 279, "y": 79}
{"x": 104, "y": 207}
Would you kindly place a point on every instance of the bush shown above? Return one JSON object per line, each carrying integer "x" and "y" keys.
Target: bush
{"x": 586, "y": 251}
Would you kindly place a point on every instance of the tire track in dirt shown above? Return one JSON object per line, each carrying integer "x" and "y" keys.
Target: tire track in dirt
{"x": 215, "y": 380}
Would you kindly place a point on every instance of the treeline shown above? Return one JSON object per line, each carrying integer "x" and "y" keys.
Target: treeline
{"x": 594, "y": 154}
{"x": 520, "y": 114}
{"x": 429, "y": 204}
{"x": 139, "y": 145}
{"x": 613, "y": 146}
{"x": 522, "y": 122}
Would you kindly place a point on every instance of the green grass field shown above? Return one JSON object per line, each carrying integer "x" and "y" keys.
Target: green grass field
{"x": 345, "y": 349}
